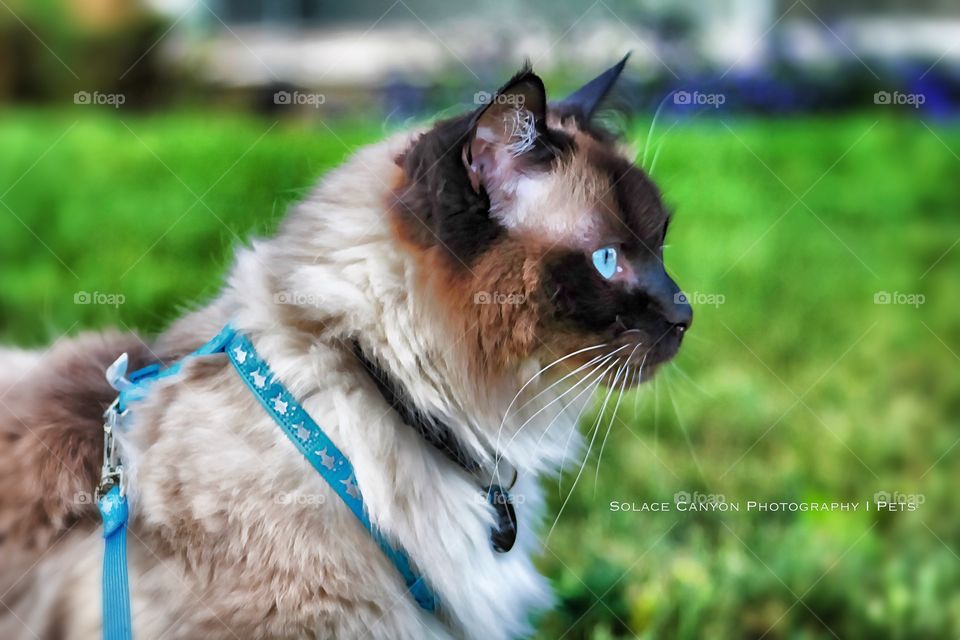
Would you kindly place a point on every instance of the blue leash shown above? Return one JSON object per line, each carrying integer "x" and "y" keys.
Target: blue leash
{"x": 116, "y": 591}
{"x": 299, "y": 427}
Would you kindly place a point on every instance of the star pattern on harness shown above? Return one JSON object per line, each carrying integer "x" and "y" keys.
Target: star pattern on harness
{"x": 302, "y": 432}
{"x": 296, "y": 424}
{"x": 325, "y": 459}
{"x": 352, "y": 489}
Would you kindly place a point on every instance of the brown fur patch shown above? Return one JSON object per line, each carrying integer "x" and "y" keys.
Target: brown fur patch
{"x": 51, "y": 441}
{"x": 494, "y": 305}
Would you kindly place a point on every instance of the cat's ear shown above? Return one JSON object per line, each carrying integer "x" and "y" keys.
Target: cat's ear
{"x": 583, "y": 102}
{"x": 505, "y": 131}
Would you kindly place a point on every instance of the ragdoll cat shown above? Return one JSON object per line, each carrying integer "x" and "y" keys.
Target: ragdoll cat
{"x": 442, "y": 306}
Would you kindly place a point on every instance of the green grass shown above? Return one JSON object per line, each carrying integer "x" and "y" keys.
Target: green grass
{"x": 797, "y": 387}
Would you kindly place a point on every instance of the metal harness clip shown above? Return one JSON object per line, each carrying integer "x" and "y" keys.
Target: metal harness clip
{"x": 111, "y": 473}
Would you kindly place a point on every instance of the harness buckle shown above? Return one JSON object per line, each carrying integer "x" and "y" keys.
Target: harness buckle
{"x": 111, "y": 472}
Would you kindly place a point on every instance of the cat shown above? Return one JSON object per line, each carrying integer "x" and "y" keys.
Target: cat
{"x": 443, "y": 305}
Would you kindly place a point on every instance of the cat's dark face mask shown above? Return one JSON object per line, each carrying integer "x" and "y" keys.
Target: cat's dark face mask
{"x": 540, "y": 236}
{"x": 646, "y": 316}
{"x": 613, "y": 287}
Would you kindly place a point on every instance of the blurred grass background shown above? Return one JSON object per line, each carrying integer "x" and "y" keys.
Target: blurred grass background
{"x": 793, "y": 385}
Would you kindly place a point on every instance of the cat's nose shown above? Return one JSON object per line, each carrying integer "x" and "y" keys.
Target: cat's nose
{"x": 673, "y": 304}
{"x": 679, "y": 313}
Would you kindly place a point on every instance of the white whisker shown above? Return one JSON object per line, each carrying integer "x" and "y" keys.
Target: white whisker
{"x": 566, "y": 448}
{"x": 653, "y": 125}
{"x": 577, "y": 397}
{"x": 686, "y": 436}
{"x": 537, "y": 375}
{"x": 613, "y": 416}
{"x": 588, "y": 389}
{"x": 593, "y": 438}
{"x": 656, "y": 155}
{"x": 575, "y": 371}
{"x": 638, "y": 380}
{"x": 498, "y": 455}
{"x": 674, "y": 365}
{"x": 496, "y": 469}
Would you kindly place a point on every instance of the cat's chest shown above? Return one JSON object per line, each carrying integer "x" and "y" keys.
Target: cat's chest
{"x": 268, "y": 522}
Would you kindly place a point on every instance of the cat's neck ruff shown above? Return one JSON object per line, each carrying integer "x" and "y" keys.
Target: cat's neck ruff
{"x": 335, "y": 276}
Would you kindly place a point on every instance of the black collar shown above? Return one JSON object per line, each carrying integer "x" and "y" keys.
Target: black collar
{"x": 430, "y": 428}
{"x": 503, "y": 534}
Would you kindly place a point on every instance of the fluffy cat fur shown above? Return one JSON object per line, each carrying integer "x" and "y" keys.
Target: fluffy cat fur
{"x": 409, "y": 250}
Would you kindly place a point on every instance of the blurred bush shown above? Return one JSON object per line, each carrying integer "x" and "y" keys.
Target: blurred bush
{"x": 51, "y": 49}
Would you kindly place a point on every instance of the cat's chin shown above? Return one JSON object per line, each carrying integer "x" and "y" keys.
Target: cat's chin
{"x": 635, "y": 376}
{"x": 614, "y": 371}
{"x": 643, "y": 366}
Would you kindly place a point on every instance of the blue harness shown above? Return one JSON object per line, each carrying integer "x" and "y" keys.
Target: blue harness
{"x": 299, "y": 427}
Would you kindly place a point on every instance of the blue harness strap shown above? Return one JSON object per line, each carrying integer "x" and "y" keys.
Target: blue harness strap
{"x": 280, "y": 405}
{"x": 320, "y": 452}
{"x": 116, "y": 591}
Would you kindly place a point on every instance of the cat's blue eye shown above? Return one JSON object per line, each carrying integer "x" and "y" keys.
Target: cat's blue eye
{"x": 605, "y": 260}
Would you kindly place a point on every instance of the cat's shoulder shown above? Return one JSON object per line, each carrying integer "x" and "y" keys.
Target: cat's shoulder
{"x": 51, "y": 436}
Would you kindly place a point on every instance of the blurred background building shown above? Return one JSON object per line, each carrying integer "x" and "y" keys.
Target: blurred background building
{"x": 407, "y": 56}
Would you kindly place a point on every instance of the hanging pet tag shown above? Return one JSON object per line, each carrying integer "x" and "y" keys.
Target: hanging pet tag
{"x": 504, "y": 533}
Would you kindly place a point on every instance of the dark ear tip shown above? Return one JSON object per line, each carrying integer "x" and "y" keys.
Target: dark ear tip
{"x": 526, "y": 75}
{"x": 585, "y": 100}
{"x": 618, "y": 68}
{"x": 527, "y": 83}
